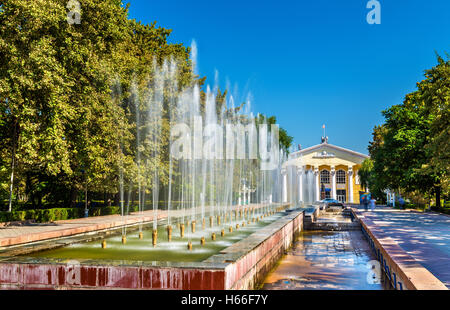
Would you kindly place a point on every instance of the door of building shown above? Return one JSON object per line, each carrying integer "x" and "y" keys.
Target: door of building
{"x": 341, "y": 195}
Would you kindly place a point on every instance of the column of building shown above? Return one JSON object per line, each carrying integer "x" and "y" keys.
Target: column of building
{"x": 317, "y": 182}
{"x": 350, "y": 184}
{"x": 333, "y": 183}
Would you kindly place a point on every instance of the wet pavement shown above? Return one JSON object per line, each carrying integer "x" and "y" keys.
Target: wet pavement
{"x": 320, "y": 260}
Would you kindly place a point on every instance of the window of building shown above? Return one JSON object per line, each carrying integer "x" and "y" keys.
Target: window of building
{"x": 325, "y": 176}
{"x": 340, "y": 177}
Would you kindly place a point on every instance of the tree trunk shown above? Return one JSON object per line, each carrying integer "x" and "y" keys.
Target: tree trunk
{"x": 117, "y": 199}
{"x": 438, "y": 196}
{"x": 85, "y": 198}
{"x": 11, "y": 185}
{"x": 73, "y": 197}
{"x": 39, "y": 195}
{"x": 13, "y": 159}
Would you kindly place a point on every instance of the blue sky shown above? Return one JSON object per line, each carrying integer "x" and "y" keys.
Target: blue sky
{"x": 310, "y": 62}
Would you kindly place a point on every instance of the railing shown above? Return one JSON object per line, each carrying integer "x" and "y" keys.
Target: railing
{"x": 385, "y": 267}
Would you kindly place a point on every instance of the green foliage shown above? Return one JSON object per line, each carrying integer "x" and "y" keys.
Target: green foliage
{"x": 441, "y": 210}
{"x": 435, "y": 93}
{"x": 420, "y": 207}
{"x": 365, "y": 173}
{"x": 410, "y": 151}
{"x": 57, "y": 214}
{"x": 41, "y": 216}
{"x": 284, "y": 139}
{"x": 67, "y": 100}
{"x": 57, "y": 118}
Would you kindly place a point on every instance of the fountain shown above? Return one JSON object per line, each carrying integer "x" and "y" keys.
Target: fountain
{"x": 221, "y": 168}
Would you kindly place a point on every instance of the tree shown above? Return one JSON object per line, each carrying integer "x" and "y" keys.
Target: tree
{"x": 70, "y": 96}
{"x": 410, "y": 150}
{"x": 435, "y": 93}
{"x": 284, "y": 139}
{"x": 59, "y": 120}
{"x": 365, "y": 173}
{"x": 33, "y": 88}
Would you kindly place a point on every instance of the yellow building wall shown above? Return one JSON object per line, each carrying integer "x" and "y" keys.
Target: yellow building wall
{"x": 341, "y": 160}
{"x": 324, "y": 167}
{"x": 356, "y": 187}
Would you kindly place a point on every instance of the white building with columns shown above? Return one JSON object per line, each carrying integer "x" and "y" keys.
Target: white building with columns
{"x": 323, "y": 171}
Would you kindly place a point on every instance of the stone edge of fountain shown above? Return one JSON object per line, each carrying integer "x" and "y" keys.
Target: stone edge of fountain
{"x": 241, "y": 266}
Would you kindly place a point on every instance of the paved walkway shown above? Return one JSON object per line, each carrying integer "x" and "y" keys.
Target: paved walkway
{"x": 424, "y": 236}
{"x": 19, "y": 234}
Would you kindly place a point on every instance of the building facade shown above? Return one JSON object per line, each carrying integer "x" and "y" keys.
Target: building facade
{"x": 332, "y": 173}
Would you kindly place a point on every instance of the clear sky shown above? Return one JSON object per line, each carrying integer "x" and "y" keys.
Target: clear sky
{"x": 310, "y": 62}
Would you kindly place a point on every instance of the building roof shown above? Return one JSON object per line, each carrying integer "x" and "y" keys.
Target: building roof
{"x": 325, "y": 154}
{"x": 312, "y": 148}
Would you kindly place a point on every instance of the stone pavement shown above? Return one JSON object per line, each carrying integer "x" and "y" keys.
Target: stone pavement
{"x": 12, "y": 235}
{"x": 424, "y": 236}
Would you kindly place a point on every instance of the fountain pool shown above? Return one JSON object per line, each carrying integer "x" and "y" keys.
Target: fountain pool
{"x": 136, "y": 249}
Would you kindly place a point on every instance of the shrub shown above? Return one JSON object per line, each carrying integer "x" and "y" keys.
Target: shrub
{"x": 441, "y": 210}
{"x": 5, "y": 216}
{"x": 40, "y": 215}
{"x": 415, "y": 206}
{"x": 56, "y": 214}
{"x": 99, "y": 211}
